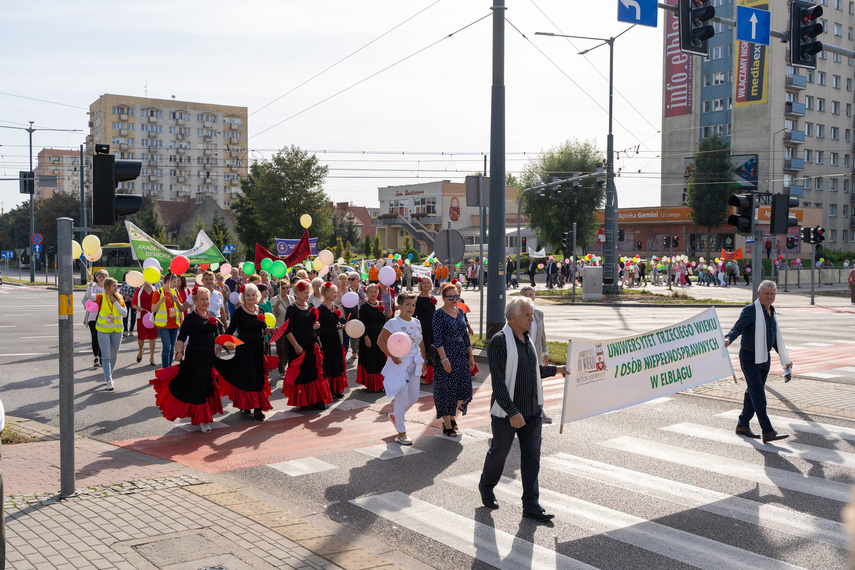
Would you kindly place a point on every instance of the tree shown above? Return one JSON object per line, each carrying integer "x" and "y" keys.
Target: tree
{"x": 375, "y": 250}
{"x": 189, "y": 238}
{"x": 277, "y": 193}
{"x": 366, "y": 246}
{"x": 339, "y": 248}
{"x": 710, "y": 185}
{"x": 348, "y": 254}
{"x": 408, "y": 244}
{"x": 550, "y": 216}
{"x": 220, "y": 232}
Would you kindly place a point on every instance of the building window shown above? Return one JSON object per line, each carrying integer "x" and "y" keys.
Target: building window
{"x": 845, "y": 210}
{"x": 820, "y": 105}
{"x": 832, "y": 184}
{"x": 706, "y": 106}
{"x": 718, "y": 104}
{"x": 820, "y": 131}
{"x": 844, "y": 234}
{"x": 832, "y": 237}
{"x": 820, "y": 156}
{"x": 837, "y": 58}
{"x": 817, "y": 185}
{"x": 809, "y": 102}
{"x": 846, "y": 160}
{"x": 809, "y": 75}
{"x": 808, "y": 155}
{"x": 729, "y": 103}
{"x": 808, "y": 129}
{"x": 706, "y": 80}
{"x": 718, "y": 78}
{"x": 838, "y": 30}
{"x": 807, "y": 182}
{"x": 791, "y": 97}
{"x": 846, "y": 185}
{"x": 835, "y": 107}
{"x": 836, "y": 81}
{"x": 835, "y": 133}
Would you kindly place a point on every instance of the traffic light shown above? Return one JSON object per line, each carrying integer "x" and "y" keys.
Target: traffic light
{"x": 695, "y": 32}
{"x": 818, "y": 235}
{"x": 675, "y": 241}
{"x": 107, "y": 172}
{"x": 567, "y": 242}
{"x": 638, "y": 245}
{"x": 792, "y": 242}
{"x": 620, "y": 235}
{"x": 782, "y": 220}
{"x": 743, "y": 220}
{"x": 524, "y": 249}
{"x": 807, "y": 235}
{"x": 667, "y": 241}
{"x": 804, "y": 27}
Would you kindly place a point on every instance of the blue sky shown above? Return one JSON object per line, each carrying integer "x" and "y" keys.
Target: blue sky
{"x": 429, "y": 114}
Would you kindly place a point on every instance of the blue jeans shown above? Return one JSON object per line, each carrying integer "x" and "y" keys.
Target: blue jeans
{"x": 109, "y": 344}
{"x": 503, "y": 438}
{"x": 754, "y": 401}
{"x": 167, "y": 338}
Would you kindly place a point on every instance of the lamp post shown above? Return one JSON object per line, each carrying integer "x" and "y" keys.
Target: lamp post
{"x": 610, "y": 247}
{"x": 772, "y": 173}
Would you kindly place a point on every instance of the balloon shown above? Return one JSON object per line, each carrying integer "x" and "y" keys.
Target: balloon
{"x": 148, "y": 320}
{"x": 341, "y": 260}
{"x": 324, "y": 270}
{"x": 270, "y": 320}
{"x": 215, "y": 266}
{"x": 198, "y": 279}
{"x": 278, "y": 269}
{"x": 387, "y": 275}
{"x": 95, "y": 256}
{"x": 234, "y": 298}
{"x": 747, "y": 270}
{"x": 91, "y": 306}
{"x": 397, "y": 256}
{"x": 135, "y": 279}
{"x": 151, "y": 274}
{"x": 540, "y": 266}
{"x": 364, "y": 276}
{"x": 693, "y": 264}
{"x": 427, "y": 264}
{"x": 204, "y": 266}
{"x": 401, "y": 262}
{"x": 399, "y": 344}
{"x": 822, "y": 260}
{"x": 407, "y": 261}
{"x": 152, "y": 262}
{"x": 179, "y": 264}
{"x": 798, "y": 260}
{"x": 780, "y": 257}
{"x": 819, "y": 264}
{"x": 390, "y": 256}
{"x": 76, "y": 250}
{"x": 248, "y": 267}
{"x": 349, "y": 300}
{"x": 91, "y": 244}
{"x": 354, "y": 328}
{"x": 225, "y": 269}
{"x": 326, "y": 257}
{"x": 380, "y": 263}
{"x": 266, "y": 263}
{"x": 306, "y": 220}
{"x": 566, "y": 260}
{"x": 410, "y": 256}
{"x": 316, "y": 264}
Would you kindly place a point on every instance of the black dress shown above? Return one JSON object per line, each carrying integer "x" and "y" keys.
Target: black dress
{"x": 189, "y": 389}
{"x": 425, "y": 308}
{"x": 371, "y": 360}
{"x": 304, "y": 383}
{"x": 335, "y": 368}
{"x": 244, "y": 377}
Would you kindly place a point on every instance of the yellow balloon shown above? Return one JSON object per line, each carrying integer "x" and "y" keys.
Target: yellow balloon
{"x": 76, "y": 250}
{"x": 306, "y": 220}
{"x": 269, "y": 320}
{"x": 317, "y": 264}
{"x": 91, "y": 244}
{"x": 151, "y": 274}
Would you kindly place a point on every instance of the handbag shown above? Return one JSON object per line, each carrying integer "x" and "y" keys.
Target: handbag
{"x": 432, "y": 355}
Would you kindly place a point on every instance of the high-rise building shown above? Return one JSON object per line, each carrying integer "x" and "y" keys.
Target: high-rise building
{"x": 188, "y": 150}
{"x": 58, "y": 172}
{"x": 797, "y": 122}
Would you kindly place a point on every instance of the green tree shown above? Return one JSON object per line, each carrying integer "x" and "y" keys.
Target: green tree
{"x": 367, "y": 245}
{"x": 339, "y": 247}
{"x": 220, "y": 232}
{"x": 187, "y": 241}
{"x": 408, "y": 244}
{"x": 710, "y": 185}
{"x": 277, "y": 193}
{"x": 348, "y": 253}
{"x": 551, "y": 216}
{"x": 376, "y": 252}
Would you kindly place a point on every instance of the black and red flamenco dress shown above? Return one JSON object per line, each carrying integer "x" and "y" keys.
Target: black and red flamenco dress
{"x": 371, "y": 359}
{"x": 334, "y": 363}
{"x": 304, "y": 383}
{"x": 189, "y": 389}
{"x": 243, "y": 379}
{"x": 425, "y": 308}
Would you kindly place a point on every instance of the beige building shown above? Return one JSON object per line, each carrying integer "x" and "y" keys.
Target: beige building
{"x": 58, "y": 172}
{"x": 188, "y": 150}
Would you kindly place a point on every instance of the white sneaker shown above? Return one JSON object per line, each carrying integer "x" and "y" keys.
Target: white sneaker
{"x": 206, "y": 428}
{"x": 110, "y": 385}
{"x": 404, "y": 440}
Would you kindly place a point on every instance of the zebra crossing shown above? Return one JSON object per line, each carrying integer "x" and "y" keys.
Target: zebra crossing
{"x": 772, "y": 510}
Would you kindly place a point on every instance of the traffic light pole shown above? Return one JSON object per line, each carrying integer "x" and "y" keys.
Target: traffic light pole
{"x": 812, "y": 269}
{"x": 573, "y": 257}
{"x": 65, "y": 270}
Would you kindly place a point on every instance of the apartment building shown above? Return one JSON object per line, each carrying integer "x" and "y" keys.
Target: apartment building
{"x": 793, "y": 127}
{"x": 58, "y": 172}
{"x": 188, "y": 150}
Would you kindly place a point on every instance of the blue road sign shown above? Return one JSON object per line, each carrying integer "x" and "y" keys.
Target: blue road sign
{"x": 7, "y": 254}
{"x": 37, "y": 238}
{"x": 228, "y": 248}
{"x": 641, "y": 12}
{"x": 753, "y": 25}
{"x": 37, "y": 248}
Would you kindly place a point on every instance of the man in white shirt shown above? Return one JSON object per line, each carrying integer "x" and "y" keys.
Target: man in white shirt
{"x": 217, "y": 304}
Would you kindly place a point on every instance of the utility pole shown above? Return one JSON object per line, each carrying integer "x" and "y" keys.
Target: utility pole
{"x": 65, "y": 273}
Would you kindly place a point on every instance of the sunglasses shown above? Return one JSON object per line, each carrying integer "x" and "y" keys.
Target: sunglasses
{"x": 453, "y": 297}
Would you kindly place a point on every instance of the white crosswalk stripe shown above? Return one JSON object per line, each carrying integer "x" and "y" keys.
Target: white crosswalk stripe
{"x": 818, "y": 428}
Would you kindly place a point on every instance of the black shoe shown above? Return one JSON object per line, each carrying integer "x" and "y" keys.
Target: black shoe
{"x": 538, "y": 513}
{"x": 774, "y": 436}
{"x": 320, "y": 406}
{"x": 246, "y": 411}
{"x": 746, "y": 431}
{"x": 488, "y": 498}
{"x": 258, "y": 414}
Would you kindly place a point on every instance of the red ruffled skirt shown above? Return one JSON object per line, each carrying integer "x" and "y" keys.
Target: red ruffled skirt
{"x": 172, "y": 408}
{"x": 250, "y": 399}
{"x": 308, "y": 393}
{"x": 373, "y": 382}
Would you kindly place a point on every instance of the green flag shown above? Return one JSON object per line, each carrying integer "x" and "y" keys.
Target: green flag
{"x": 144, "y": 247}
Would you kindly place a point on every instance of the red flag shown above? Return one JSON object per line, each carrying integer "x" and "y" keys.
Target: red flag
{"x": 301, "y": 251}
{"x": 728, "y": 256}
{"x": 262, "y": 253}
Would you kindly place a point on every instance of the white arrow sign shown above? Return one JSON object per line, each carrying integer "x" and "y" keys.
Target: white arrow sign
{"x": 753, "y": 21}
{"x": 632, "y": 4}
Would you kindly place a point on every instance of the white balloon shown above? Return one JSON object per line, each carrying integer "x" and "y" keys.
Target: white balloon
{"x": 95, "y": 256}
{"x": 354, "y": 328}
{"x": 349, "y": 300}
{"x": 152, "y": 262}
{"x": 135, "y": 279}
{"x": 326, "y": 257}
{"x": 387, "y": 275}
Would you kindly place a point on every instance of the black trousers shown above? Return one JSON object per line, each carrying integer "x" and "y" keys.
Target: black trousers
{"x": 96, "y": 348}
{"x": 530, "y": 439}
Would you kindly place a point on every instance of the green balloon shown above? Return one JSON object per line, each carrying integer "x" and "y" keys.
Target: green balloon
{"x": 485, "y": 261}
{"x": 215, "y": 266}
{"x": 248, "y": 267}
{"x": 364, "y": 276}
{"x": 266, "y": 263}
{"x": 278, "y": 269}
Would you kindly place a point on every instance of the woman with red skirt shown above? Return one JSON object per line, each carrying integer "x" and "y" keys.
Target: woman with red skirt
{"x": 335, "y": 367}
{"x": 372, "y": 313}
{"x": 305, "y": 384}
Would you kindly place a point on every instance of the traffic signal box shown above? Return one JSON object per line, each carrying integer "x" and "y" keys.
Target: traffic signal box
{"x": 107, "y": 172}
{"x": 804, "y": 27}
{"x": 743, "y": 219}
{"x": 782, "y": 220}
{"x": 695, "y": 30}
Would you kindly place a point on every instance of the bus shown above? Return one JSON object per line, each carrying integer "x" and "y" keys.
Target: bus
{"x": 116, "y": 258}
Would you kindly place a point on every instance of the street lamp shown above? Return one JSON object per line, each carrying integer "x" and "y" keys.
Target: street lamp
{"x": 610, "y": 249}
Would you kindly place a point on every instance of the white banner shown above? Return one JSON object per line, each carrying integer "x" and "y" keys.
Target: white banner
{"x": 532, "y": 253}
{"x": 608, "y": 375}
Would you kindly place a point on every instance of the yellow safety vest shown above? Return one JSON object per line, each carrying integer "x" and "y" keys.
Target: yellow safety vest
{"x": 167, "y": 308}
{"x": 109, "y": 319}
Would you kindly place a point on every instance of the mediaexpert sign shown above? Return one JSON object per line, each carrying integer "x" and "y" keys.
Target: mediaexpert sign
{"x": 607, "y": 375}
{"x": 679, "y": 70}
{"x": 752, "y": 66}
{"x": 285, "y": 247}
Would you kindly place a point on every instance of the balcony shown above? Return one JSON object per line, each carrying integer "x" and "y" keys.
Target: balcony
{"x": 181, "y": 179}
{"x": 180, "y": 122}
{"x": 794, "y": 164}
{"x": 234, "y": 141}
{"x": 180, "y": 150}
{"x": 152, "y": 135}
{"x": 152, "y": 163}
{"x": 792, "y": 109}
{"x": 235, "y": 182}
{"x": 123, "y": 132}
{"x": 209, "y": 124}
{"x": 123, "y": 147}
{"x": 794, "y": 137}
{"x": 233, "y": 126}
{"x": 152, "y": 178}
{"x": 233, "y": 168}
{"x": 234, "y": 154}
{"x": 207, "y": 139}
{"x": 152, "y": 120}
{"x": 794, "y": 190}
{"x": 208, "y": 152}
{"x": 796, "y": 82}
{"x": 124, "y": 117}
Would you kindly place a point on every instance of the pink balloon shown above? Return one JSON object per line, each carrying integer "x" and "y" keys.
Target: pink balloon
{"x": 349, "y": 300}
{"x": 234, "y": 298}
{"x": 148, "y": 321}
{"x": 399, "y": 344}
{"x": 91, "y": 306}
{"x": 225, "y": 269}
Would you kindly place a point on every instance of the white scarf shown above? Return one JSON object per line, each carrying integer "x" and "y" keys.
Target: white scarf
{"x": 511, "y": 371}
{"x": 761, "y": 355}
